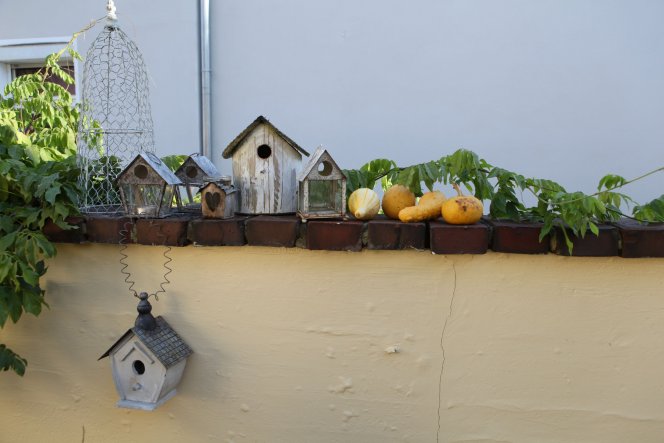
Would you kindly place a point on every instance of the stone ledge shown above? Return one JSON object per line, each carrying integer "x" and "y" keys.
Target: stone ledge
{"x": 334, "y": 235}
{"x": 518, "y": 238}
{"x": 383, "y": 233}
{"x": 109, "y": 229}
{"x": 269, "y": 230}
{"x": 459, "y": 239}
{"x": 165, "y": 231}
{"x": 627, "y": 239}
{"x": 58, "y": 235}
{"x": 606, "y": 244}
{"x": 641, "y": 241}
{"x": 218, "y": 232}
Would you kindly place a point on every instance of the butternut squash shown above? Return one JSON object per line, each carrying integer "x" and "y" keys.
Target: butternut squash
{"x": 427, "y": 208}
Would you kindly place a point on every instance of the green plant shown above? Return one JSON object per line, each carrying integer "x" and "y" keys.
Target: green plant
{"x": 174, "y": 161}
{"x": 575, "y": 212}
{"x": 38, "y": 184}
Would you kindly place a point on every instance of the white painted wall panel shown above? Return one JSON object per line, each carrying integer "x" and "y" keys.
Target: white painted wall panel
{"x": 566, "y": 89}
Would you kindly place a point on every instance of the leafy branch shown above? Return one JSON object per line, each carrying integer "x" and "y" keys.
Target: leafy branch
{"x": 556, "y": 207}
{"x": 38, "y": 185}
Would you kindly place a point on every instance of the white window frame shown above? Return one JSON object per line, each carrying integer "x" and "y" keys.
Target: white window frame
{"x": 33, "y": 51}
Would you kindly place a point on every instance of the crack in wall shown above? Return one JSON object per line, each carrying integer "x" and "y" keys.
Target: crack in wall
{"x": 442, "y": 348}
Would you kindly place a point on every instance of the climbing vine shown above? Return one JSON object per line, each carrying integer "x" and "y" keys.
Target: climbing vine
{"x": 38, "y": 184}
{"x": 573, "y": 212}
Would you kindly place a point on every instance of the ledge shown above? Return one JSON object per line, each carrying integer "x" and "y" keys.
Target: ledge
{"x": 626, "y": 239}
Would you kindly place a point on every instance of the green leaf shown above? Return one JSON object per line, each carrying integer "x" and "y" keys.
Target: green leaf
{"x": 174, "y": 161}
{"x": 652, "y": 211}
{"x": 45, "y": 247}
{"x": 29, "y": 275}
{"x": 6, "y": 241}
{"x": 52, "y": 193}
{"x": 11, "y": 361}
{"x": 33, "y": 301}
{"x": 593, "y": 228}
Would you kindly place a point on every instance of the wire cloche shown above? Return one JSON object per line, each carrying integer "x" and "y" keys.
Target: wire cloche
{"x": 116, "y": 119}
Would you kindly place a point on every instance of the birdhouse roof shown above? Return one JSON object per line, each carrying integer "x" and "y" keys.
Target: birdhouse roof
{"x": 162, "y": 341}
{"x": 204, "y": 164}
{"x": 230, "y": 149}
{"x": 310, "y": 168}
{"x": 228, "y": 189}
{"x": 157, "y": 165}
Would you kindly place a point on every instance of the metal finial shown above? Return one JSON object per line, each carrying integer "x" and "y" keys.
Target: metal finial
{"x": 110, "y": 10}
{"x": 145, "y": 320}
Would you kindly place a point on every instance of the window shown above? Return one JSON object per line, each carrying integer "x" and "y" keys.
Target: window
{"x": 28, "y": 68}
{"x": 25, "y": 56}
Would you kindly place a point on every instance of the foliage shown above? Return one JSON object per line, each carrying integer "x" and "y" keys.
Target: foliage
{"x": 9, "y": 360}
{"x": 174, "y": 161}
{"x": 556, "y": 207}
{"x": 38, "y": 176}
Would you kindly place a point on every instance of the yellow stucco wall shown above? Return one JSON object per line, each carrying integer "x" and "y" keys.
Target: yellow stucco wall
{"x": 298, "y": 346}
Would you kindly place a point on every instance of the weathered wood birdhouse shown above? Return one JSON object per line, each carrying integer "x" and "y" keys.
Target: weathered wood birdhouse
{"x": 218, "y": 198}
{"x": 147, "y": 361}
{"x": 322, "y": 188}
{"x": 265, "y": 166}
{"x": 194, "y": 172}
{"x": 148, "y": 187}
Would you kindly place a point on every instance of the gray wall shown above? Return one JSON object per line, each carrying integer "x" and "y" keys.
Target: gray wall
{"x": 566, "y": 89}
{"x": 166, "y": 36}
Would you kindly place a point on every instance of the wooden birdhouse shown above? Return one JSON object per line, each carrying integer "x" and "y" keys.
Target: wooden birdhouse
{"x": 194, "y": 172}
{"x": 147, "y": 361}
{"x": 147, "y": 187}
{"x": 265, "y": 166}
{"x": 218, "y": 199}
{"x": 322, "y": 188}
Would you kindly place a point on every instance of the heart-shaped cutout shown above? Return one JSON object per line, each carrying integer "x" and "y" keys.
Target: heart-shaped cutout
{"x": 212, "y": 199}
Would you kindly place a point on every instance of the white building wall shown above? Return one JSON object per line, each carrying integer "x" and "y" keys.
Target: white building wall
{"x": 567, "y": 90}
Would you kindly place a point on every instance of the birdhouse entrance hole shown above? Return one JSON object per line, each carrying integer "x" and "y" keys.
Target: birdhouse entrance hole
{"x": 325, "y": 168}
{"x": 264, "y": 151}
{"x": 139, "y": 367}
{"x": 141, "y": 171}
{"x": 192, "y": 172}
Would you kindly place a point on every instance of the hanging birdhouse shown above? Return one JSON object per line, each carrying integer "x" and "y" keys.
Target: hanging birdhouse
{"x": 195, "y": 171}
{"x": 265, "y": 165}
{"x": 322, "y": 188}
{"x": 147, "y": 361}
{"x": 147, "y": 187}
{"x": 218, "y": 198}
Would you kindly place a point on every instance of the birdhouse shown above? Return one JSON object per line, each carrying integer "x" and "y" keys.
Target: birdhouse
{"x": 194, "y": 172}
{"x": 218, "y": 199}
{"x": 265, "y": 166}
{"x": 147, "y": 187}
{"x": 322, "y": 188}
{"x": 147, "y": 361}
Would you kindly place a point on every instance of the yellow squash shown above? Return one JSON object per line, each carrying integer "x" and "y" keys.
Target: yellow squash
{"x": 428, "y": 208}
{"x": 364, "y": 204}
{"x": 462, "y": 209}
{"x": 395, "y": 199}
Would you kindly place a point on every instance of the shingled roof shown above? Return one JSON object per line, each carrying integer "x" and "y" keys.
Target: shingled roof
{"x": 162, "y": 341}
{"x": 230, "y": 149}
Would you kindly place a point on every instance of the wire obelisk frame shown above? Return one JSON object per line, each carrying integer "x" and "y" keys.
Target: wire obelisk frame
{"x": 116, "y": 119}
